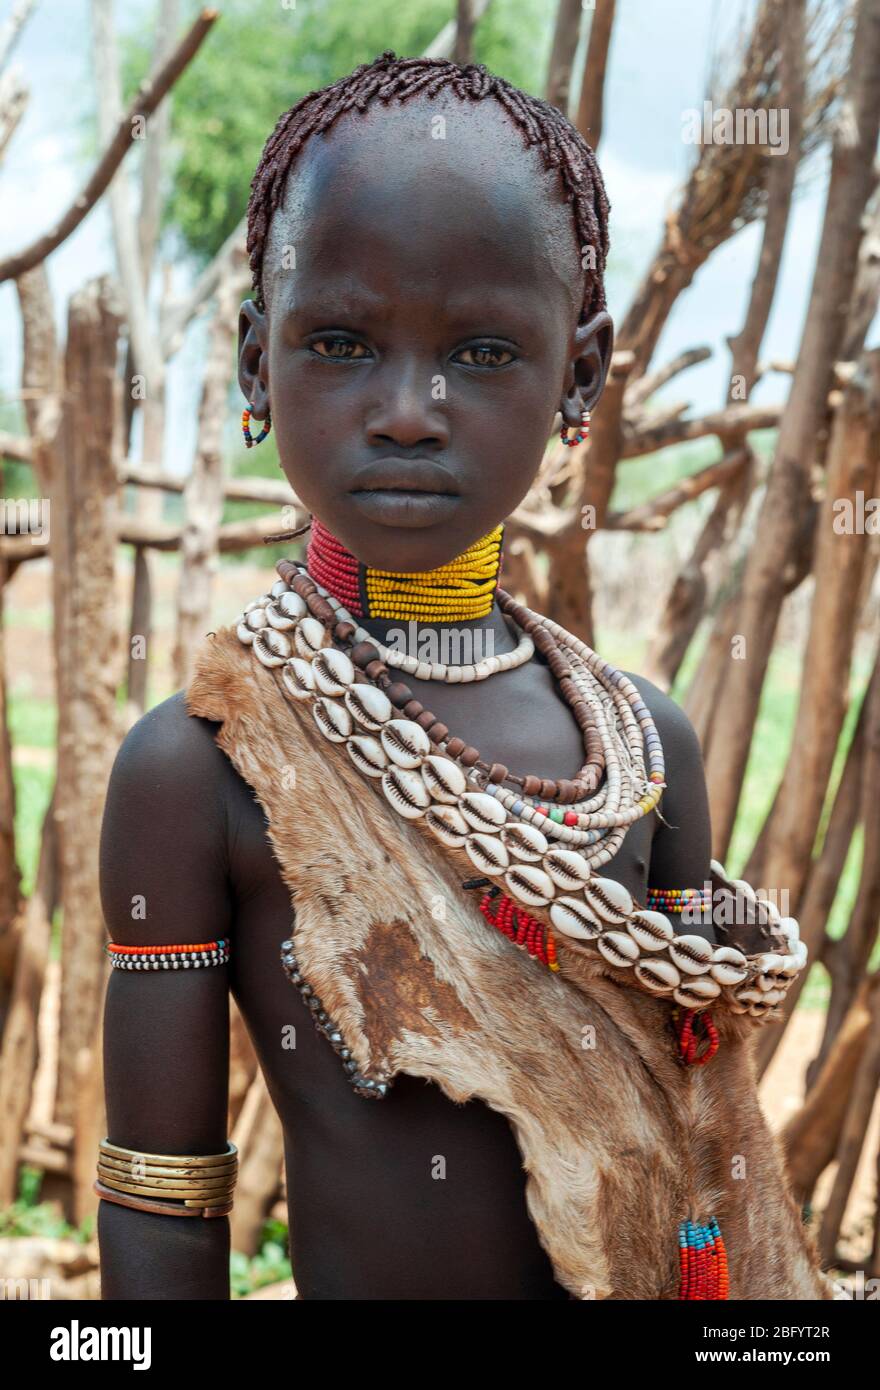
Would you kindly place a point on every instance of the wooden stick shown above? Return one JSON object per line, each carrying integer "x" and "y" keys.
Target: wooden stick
{"x": 645, "y": 386}
{"x": 852, "y": 1138}
{"x": 648, "y": 439}
{"x": 12, "y": 28}
{"x": 811, "y": 1136}
{"x": 653, "y": 514}
{"x": 18, "y": 1057}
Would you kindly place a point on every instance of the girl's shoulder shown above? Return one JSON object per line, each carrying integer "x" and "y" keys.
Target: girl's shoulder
{"x": 169, "y": 770}
{"x": 677, "y": 734}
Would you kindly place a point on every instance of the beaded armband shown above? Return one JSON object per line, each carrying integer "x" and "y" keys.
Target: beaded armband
{"x": 175, "y": 957}
{"x": 167, "y": 1184}
{"x": 694, "y": 900}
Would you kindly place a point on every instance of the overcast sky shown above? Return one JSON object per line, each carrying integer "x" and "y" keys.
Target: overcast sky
{"x": 658, "y": 66}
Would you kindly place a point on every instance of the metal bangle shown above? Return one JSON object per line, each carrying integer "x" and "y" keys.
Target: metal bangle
{"x": 158, "y": 1208}
{"x": 203, "y": 1181}
{"x": 228, "y": 1157}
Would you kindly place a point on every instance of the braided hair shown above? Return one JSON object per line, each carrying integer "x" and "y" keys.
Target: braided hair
{"x": 387, "y": 77}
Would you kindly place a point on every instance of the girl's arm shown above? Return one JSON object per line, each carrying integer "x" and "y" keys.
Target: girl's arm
{"x": 163, "y": 877}
{"x": 682, "y": 849}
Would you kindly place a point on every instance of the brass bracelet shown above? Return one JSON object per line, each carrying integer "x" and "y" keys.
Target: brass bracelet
{"x": 121, "y": 1199}
{"x": 175, "y": 1184}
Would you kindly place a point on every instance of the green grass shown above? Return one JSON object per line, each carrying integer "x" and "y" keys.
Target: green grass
{"x": 32, "y": 723}
{"x": 28, "y": 1216}
{"x": 37, "y": 619}
{"x": 269, "y": 1266}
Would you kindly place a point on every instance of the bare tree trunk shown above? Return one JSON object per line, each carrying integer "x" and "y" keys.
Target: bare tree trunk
{"x": 243, "y": 1064}
{"x": 463, "y": 52}
{"x": 591, "y": 102}
{"x": 90, "y": 1126}
{"x": 139, "y": 635}
{"x": 782, "y": 515}
{"x": 688, "y": 596}
{"x": 874, "y": 1263}
{"x": 443, "y": 43}
{"x": 811, "y": 1137}
{"x": 565, "y": 41}
{"x": 847, "y": 959}
{"x": 260, "y": 1142}
{"x": 148, "y": 384}
{"x": 569, "y": 596}
{"x": 841, "y": 555}
{"x": 825, "y": 874}
{"x": 41, "y": 389}
{"x": 203, "y": 496}
{"x": 10, "y": 874}
{"x": 867, "y": 289}
{"x": 84, "y": 503}
{"x": 12, "y": 27}
{"x": 150, "y": 209}
{"x": 18, "y": 1059}
{"x": 41, "y": 375}
{"x": 852, "y": 1138}
{"x": 13, "y": 104}
{"x": 746, "y": 344}
{"x": 701, "y": 700}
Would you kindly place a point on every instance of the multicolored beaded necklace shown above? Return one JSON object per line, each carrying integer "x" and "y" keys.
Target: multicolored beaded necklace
{"x": 460, "y": 591}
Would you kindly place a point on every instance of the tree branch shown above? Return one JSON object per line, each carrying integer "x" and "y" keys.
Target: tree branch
{"x": 147, "y": 98}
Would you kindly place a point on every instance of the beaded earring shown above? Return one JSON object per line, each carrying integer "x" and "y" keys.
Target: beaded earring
{"x": 245, "y": 426}
{"x": 581, "y": 434}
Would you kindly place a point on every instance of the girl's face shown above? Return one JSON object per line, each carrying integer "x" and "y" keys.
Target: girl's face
{"x": 423, "y": 288}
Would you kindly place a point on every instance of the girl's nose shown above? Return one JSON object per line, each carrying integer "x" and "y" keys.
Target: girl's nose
{"x": 410, "y": 410}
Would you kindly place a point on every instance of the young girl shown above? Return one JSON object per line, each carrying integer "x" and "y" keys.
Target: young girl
{"x": 370, "y": 792}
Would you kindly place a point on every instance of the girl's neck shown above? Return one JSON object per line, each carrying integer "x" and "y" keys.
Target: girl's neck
{"x": 460, "y": 594}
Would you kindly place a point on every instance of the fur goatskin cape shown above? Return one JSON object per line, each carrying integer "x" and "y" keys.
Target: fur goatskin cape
{"x": 620, "y": 1141}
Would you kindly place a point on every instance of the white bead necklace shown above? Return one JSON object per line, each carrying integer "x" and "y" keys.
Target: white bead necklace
{"x": 452, "y": 674}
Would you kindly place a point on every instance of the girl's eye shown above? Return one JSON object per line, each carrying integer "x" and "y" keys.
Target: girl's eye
{"x": 338, "y": 348}
{"x": 486, "y": 355}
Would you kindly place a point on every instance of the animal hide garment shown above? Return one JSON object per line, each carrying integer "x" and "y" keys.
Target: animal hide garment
{"x": 619, "y": 1139}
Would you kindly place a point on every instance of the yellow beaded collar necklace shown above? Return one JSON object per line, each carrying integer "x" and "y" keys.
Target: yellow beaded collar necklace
{"x": 461, "y": 590}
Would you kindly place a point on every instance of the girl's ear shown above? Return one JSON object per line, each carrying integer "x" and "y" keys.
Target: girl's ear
{"x": 589, "y": 360}
{"x": 253, "y": 357}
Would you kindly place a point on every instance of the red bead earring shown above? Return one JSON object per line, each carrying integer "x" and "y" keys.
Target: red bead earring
{"x": 581, "y": 434}
{"x": 245, "y": 426}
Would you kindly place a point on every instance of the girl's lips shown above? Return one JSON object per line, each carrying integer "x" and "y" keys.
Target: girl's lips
{"x": 402, "y": 507}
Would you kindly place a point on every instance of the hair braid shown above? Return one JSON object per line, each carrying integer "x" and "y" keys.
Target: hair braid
{"x": 387, "y": 78}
